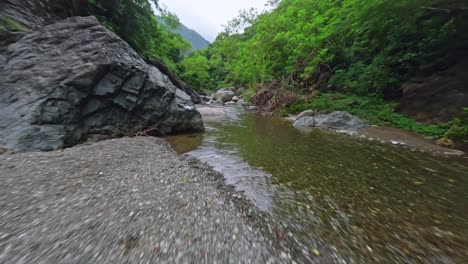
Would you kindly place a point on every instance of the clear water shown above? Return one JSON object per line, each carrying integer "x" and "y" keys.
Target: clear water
{"x": 339, "y": 196}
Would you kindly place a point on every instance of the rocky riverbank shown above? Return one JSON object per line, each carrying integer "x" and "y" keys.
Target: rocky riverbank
{"x": 345, "y": 123}
{"x": 124, "y": 200}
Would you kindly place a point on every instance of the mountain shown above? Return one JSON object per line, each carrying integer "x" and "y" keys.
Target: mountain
{"x": 197, "y": 41}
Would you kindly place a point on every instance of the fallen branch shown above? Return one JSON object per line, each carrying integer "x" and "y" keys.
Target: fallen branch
{"x": 445, "y": 9}
{"x": 150, "y": 132}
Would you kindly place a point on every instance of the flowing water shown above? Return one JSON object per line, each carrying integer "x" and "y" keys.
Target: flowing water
{"x": 339, "y": 198}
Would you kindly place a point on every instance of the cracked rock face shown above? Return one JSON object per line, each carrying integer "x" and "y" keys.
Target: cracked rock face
{"x": 73, "y": 78}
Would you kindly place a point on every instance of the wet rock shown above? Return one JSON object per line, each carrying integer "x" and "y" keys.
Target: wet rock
{"x": 336, "y": 120}
{"x": 230, "y": 103}
{"x": 235, "y": 99}
{"x": 74, "y": 78}
{"x": 224, "y": 95}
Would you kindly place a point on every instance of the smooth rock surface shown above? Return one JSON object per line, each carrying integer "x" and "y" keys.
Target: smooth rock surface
{"x": 212, "y": 113}
{"x": 335, "y": 120}
{"x": 74, "y": 78}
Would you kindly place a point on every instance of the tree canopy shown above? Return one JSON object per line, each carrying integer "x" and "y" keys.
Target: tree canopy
{"x": 135, "y": 22}
{"x": 370, "y": 46}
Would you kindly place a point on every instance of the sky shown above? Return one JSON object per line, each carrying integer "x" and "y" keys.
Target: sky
{"x": 207, "y": 17}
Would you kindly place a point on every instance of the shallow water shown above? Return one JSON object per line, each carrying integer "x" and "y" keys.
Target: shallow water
{"x": 333, "y": 195}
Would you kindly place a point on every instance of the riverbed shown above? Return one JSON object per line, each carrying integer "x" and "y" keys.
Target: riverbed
{"x": 332, "y": 198}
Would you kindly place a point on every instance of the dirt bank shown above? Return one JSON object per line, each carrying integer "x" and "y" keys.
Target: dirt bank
{"x": 404, "y": 138}
{"x": 397, "y": 137}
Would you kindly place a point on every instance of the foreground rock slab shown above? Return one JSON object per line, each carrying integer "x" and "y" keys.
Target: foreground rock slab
{"x": 129, "y": 200}
{"x": 74, "y": 78}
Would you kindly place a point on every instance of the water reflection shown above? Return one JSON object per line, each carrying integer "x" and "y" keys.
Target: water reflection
{"x": 358, "y": 199}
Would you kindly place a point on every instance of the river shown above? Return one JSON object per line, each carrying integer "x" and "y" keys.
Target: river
{"x": 338, "y": 198}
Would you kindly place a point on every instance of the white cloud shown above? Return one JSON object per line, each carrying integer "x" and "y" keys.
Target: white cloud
{"x": 207, "y": 16}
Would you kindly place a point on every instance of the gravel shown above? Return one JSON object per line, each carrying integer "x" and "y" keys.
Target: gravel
{"x": 119, "y": 201}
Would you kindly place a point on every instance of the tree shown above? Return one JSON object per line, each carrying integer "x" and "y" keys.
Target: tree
{"x": 196, "y": 70}
{"x": 135, "y": 22}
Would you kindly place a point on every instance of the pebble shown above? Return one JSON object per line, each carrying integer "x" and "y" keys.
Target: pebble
{"x": 83, "y": 217}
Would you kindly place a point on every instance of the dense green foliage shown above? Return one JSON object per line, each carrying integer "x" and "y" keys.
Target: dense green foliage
{"x": 195, "y": 70}
{"x": 458, "y": 128}
{"x": 135, "y": 22}
{"x": 371, "y": 46}
{"x": 368, "y": 47}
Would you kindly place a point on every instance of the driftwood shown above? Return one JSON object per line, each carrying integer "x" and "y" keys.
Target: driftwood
{"x": 445, "y": 9}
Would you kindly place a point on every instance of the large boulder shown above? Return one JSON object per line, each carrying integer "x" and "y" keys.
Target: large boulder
{"x": 196, "y": 98}
{"x": 74, "y": 78}
{"x": 336, "y": 120}
{"x": 224, "y": 95}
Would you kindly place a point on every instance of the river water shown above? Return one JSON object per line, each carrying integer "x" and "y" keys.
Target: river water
{"x": 339, "y": 199}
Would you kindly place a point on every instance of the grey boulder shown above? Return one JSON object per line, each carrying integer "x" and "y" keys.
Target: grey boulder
{"x": 224, "y": 95}
{"x": 336, "y": 120}
{"x": 74, "y": 78}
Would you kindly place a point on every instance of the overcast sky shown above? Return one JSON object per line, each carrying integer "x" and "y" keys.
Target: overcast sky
{"x": 207, "y": 16}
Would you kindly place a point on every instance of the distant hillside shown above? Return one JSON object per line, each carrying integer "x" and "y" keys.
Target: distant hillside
{"x": 197, "y": 41}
